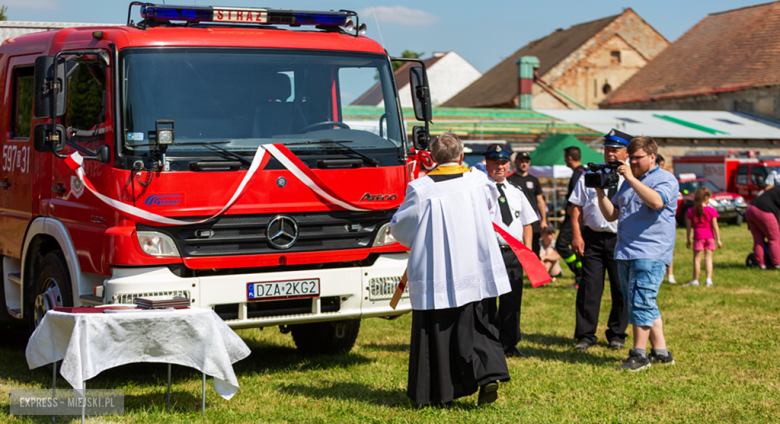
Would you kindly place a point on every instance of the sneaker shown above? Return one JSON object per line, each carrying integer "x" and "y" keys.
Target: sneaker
{"x": 672, "y": 280}
{"x": 488, "y": 393}
{"x": 583, "y": 344}
{"x": 694, "y": 283}
{"x": 634, "y": 362}
{"x": 616, "y": 344}
{"x": 709, "y": 284}
{"x": 657, "y": 359}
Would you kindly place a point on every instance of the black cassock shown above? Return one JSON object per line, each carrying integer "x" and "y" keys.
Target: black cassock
{"x": 453, "y": 352}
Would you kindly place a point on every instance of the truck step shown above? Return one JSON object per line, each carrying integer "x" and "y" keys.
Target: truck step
{"x": 14, "y": 312}
{"x": 15, "y": 277}
{"x": 90, "y": 300}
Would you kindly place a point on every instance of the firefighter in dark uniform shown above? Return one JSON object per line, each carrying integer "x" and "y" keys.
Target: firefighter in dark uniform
{"x": 517, "y": 215}
{"x": 573, "y": 158}
{"x": 533, "y": 192}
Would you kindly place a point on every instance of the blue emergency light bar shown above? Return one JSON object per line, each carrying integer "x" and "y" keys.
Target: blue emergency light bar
{"x": 156, "y": 13}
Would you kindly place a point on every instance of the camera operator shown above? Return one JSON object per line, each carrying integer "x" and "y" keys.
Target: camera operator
{"x": 644, "y": 209}
{"x": 516, "y": 213}
{"x": 595, "y": 243}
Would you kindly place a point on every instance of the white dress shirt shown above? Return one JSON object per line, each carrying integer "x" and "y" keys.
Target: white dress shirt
{"x": 588, "y": 199}
{"x": 454, "y": 259}
{"x": 522, "y": 212}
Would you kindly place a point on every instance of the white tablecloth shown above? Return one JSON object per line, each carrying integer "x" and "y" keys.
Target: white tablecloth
{"x": 91, "y": 343}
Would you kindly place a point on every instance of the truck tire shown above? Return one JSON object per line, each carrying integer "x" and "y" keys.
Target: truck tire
{"x": 738, "y": 220}
{"x": 326, "y": 337}
{"x": 51, "y": 288}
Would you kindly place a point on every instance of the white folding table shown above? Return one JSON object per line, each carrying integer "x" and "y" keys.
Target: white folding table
{"x": 89, "y": 343}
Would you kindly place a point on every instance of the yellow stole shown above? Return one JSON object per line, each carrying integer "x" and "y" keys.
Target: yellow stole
{"x": 449, "y": 170}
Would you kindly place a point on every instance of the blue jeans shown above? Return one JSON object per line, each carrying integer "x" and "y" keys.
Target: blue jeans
{"x": 640, "y": 280}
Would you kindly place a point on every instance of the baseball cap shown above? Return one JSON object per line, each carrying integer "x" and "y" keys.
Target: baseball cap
{"x": 523, "y": 155}
{"x": 616, "y": 138}
{"x": 497, "y": 152}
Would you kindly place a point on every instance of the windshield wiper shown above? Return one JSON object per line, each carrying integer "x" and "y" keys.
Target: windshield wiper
{"x": 368, "y": 159}
{"x": 215, "y": 146}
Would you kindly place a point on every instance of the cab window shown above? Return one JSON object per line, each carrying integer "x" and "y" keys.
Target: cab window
{"x": 86, "y": 112}
{"x": 21, "y": 108}
{"x": 758, "y": 173}
{"x": 742, "y": 172}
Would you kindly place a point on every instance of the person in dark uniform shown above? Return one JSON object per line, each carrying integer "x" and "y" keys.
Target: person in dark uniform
{"x": 533, "y": 192}
{"x": 594, "y": 240}
{"x": 573, "y": 158}
{"x": 516, "y": 214}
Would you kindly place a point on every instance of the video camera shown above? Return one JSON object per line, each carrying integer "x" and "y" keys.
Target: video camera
{"x": 600, "y": 178}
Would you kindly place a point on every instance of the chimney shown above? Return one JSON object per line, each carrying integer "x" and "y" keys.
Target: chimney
{"x": 525, "y": 82}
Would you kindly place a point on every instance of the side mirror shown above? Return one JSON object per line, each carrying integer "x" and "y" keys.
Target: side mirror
{"x": 45, "y": 86}
{"x": 421, "y": 96}
{"x": 45, "y": 140}
{"x": 420, "y": 138}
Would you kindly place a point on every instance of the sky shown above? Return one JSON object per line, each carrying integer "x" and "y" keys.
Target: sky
{"x": 484, "y": 33}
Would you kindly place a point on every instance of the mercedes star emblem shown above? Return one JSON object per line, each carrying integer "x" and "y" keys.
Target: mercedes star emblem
{"x": 282, "y": 232}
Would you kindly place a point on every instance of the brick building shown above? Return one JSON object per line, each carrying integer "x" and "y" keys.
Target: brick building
{"x": 728, "y": 61}
{"x": 579, "y": 65}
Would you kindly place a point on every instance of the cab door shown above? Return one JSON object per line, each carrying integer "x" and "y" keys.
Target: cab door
{"x": 18, "y": 179}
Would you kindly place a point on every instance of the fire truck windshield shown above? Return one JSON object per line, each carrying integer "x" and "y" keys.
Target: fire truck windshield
{"x": 255, "y": 96}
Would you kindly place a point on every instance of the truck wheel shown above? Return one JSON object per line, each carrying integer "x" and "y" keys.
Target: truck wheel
{"x": 738, "y": 220}
{"x": 326, "y": 337}
{"x": 52, "y": 288}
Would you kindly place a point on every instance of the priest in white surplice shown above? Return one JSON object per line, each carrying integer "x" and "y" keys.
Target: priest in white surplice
{"x": 455, "y": 269}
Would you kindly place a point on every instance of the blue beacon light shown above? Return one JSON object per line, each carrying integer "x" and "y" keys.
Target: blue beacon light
{"x": 155, "y": 12}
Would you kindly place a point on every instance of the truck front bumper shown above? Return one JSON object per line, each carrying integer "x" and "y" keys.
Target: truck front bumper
{"x": 345, "y": 293}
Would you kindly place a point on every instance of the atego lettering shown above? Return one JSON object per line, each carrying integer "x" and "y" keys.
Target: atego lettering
{"x": 378, "y": 197}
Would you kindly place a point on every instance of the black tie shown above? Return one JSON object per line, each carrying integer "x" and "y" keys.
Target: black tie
{"x": 506, "y": 214}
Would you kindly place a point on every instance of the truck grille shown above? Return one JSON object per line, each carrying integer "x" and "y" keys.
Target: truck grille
{"x": 249, "y": 234}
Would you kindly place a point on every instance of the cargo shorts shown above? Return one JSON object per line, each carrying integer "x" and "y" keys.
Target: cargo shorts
{"x": 640, "y": 280}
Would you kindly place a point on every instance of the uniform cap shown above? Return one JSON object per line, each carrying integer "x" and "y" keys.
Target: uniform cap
{"x": 523, "y": 155}
{"x": 497, "y": 152}
{"x": 617, "y": 138}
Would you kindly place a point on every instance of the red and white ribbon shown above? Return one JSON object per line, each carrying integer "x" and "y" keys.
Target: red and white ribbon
{"x": 262, "y": 155}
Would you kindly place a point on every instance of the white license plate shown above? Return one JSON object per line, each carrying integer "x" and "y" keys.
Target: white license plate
{"x": 288, "y": 289}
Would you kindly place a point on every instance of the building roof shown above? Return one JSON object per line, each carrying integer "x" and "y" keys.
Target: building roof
{"x": 373, "y": 96}
{"x": 491, "y": 90}
{"x": 472, "y": 124}
{"x": 682, "y": 124}
{"x": 10, "y": 29}
{"x": 726, "y": 51}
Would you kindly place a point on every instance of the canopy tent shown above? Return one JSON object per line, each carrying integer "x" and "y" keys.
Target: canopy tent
{"x": 547, "y": 160}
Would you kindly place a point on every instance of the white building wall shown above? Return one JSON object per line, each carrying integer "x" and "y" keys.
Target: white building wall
{"x": 447, "y": 77}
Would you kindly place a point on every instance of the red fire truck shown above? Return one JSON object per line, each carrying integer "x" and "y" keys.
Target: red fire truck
{"x": 202, "y": 152}
{"x": 733, "y": 174}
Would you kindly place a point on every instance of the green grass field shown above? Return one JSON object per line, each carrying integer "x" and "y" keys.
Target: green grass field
{"x": 725, "y": 341}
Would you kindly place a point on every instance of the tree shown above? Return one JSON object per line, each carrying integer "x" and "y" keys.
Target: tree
{"x": 3, "y": 9}
{"x": 406, "y": 53}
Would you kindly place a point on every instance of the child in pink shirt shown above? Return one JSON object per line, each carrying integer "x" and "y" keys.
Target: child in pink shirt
{"x": 703, "y": 220}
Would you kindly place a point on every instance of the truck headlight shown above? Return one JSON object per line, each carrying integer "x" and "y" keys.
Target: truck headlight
{"x": 156, "y": 244}
{"x": 712, "y": 202}
{"x": 383, "y": 237}
{"x": 739, "y": 200}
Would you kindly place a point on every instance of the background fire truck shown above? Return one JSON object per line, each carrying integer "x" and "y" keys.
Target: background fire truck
{"x": 170, "y": 115}
{"x": 731, "y": 173}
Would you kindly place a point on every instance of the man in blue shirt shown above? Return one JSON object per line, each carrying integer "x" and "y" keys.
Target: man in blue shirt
{"x": 644, "y": 209}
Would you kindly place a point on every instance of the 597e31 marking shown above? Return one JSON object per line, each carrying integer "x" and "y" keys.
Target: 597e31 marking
{"x": 16, "y": 158}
